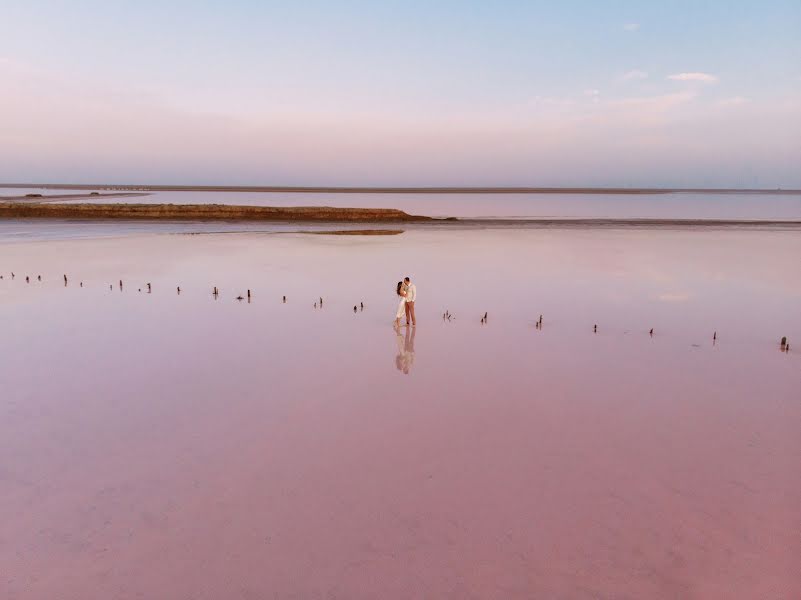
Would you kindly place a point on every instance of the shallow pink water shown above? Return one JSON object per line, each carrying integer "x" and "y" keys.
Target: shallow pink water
{"x": 623, "y": 206}
{"x": 156, "y": 445}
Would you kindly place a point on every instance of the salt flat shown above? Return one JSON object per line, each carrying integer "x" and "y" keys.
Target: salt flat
{"x": 166, "y": 445}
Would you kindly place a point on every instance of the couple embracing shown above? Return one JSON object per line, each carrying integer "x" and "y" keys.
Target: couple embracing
{"x": 408, "y": 294}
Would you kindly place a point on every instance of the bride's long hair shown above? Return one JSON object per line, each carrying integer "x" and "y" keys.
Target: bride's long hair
{"x": 400, "y": 285}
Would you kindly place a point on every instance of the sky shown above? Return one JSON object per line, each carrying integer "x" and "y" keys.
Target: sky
{"x": 454, "y": 92}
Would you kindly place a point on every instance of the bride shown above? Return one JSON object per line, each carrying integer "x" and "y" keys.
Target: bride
{"x": 401, "y": 305}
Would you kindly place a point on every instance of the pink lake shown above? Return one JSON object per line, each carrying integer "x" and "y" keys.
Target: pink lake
{"x": 181, "y": 446}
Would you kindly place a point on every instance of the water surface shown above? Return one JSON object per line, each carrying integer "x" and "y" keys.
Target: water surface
{"x": 182, "y": 446}
{"x": 506, "y": 206}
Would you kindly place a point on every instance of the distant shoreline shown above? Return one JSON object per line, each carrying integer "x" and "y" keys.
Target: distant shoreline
{"x": 204, "y": 212}
{"x": 39, "y": 198}
{"x": 327, "y": 214}
{"x": 395, "y": 190}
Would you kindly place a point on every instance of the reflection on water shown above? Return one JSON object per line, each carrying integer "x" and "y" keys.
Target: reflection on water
{"x": 169, "y": 444}
{"x": 404, "y": 360}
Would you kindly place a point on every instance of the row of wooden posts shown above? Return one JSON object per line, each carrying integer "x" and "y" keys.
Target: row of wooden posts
{"x": 784, "y": 345}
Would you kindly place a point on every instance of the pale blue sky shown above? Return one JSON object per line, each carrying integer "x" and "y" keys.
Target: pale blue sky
{"x": 518, "y": 93}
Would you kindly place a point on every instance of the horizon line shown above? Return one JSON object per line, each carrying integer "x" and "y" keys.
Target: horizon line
{"x": 400, "y": 189}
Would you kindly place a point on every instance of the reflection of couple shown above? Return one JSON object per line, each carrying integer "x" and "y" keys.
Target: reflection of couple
{"x": 405, "y": 358}
{"x": 407, "y": 292}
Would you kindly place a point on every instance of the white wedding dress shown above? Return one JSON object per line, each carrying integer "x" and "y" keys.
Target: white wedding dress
{"x": 401, "y": 308}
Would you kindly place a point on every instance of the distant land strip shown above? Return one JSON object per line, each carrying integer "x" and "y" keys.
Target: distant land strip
{"x": 66, "y": 197}
{"x": 205, "y": 212}
{"x": 327, "y": 214}
{"x": 395, "y": 190}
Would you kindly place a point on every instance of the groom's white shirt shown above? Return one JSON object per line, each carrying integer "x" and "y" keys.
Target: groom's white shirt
{"x": 411, "y": 293}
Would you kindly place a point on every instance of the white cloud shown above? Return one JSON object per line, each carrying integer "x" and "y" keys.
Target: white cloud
{"x": 634, "y": 74}
{"x": 703, "y": 77}
{"x": 734, "y": 101}
{"x": 631, "y": 26}
{"x": 674, "y": 297}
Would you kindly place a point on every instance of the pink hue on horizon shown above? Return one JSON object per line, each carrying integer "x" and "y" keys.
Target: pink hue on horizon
{"x": 57, "y": 129}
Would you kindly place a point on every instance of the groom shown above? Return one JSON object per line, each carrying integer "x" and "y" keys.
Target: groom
{"x": 411, "y": 296}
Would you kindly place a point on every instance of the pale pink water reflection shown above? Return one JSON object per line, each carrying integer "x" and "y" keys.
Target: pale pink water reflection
{"x": 165, "y": 445}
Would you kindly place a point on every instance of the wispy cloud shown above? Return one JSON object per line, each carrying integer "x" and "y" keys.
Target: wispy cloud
{"x": 655, "y": 103}
{"x": 634, "y": 74}
{"x": 734, "y": 101}
{"x": 674, "y": 297}
{"x": 631, "y": 26}
{"x": 694, "y": 76}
